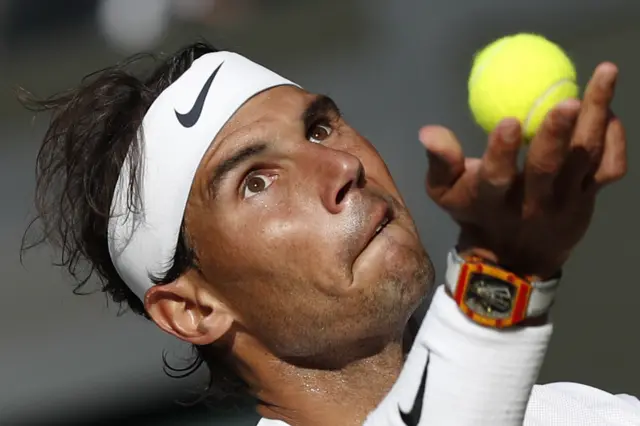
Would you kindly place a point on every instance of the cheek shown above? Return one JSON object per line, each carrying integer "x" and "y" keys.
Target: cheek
{"x": 274, "y": 242}
{"x": 296, "y": 242}
{"x": 270, "y": 276}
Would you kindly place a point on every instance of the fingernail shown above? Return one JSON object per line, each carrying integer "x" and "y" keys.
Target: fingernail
{"x": 566, "y": 112}
{"x": 510, "y": 133}
{"x": 569, "y": 104}
{"x": 611, "y": 74}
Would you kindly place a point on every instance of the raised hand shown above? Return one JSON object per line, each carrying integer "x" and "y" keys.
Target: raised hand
{"x": 529, "y": 219}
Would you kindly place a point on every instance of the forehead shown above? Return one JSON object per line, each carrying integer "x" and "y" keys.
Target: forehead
{"x": 283, "y": 102}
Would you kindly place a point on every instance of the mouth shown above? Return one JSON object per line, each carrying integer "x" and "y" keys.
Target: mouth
{"x": 382, "y": 219}
{"x": 385, "y": 221}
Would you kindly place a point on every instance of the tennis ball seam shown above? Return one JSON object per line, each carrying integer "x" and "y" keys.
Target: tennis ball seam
{"x": 540, "y": 99}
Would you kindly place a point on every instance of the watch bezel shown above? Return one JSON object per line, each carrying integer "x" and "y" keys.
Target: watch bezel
{"x": 476, "y": 267}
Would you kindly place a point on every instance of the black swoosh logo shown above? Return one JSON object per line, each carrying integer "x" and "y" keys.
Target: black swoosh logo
{"x": 191, "y": 118}
{"x": 412, "y": 418}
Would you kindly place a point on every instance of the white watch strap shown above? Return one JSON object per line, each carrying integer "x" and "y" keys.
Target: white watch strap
{"x": 541, "y": 297}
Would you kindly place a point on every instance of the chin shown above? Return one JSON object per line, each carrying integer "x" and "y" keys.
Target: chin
{"x": 397, "y": 278}
{"x": 411, "y": 280}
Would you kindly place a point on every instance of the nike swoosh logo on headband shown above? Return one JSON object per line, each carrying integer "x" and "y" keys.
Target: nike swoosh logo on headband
{"x": 412, "y": 418}
{"x": 191, "y": 118}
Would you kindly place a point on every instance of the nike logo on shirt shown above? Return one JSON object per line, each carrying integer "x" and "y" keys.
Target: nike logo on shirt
{"x": 191, "y": 118}
{"x": 412, "y": 418}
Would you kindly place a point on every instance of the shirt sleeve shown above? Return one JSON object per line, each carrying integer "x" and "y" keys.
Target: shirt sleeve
{"x": 460, "y": 373}
{"x": 573, "y": 404}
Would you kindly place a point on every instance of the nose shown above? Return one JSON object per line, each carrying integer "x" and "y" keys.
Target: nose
{"x": 341, "y": 174}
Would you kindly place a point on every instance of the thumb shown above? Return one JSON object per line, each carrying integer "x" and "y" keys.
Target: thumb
{"x": 446, "y": 159}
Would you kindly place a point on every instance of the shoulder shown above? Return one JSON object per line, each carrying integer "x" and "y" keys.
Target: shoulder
{"x": 572, "y": 404}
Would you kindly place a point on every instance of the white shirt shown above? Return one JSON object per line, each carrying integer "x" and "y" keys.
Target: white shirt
{"x": 479, "y": 376}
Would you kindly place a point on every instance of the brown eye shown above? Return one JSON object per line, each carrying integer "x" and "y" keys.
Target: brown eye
{"x": 256, "y": 183}
{"x": 318, "y": 133}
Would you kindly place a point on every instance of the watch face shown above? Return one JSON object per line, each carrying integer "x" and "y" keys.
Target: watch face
{"x": 490, "y": 297}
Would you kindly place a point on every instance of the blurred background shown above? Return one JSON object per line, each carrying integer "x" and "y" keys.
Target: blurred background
{"x": 392, "y": 66}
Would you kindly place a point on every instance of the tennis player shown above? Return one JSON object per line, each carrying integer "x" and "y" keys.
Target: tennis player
{"x": 242, "y": 214}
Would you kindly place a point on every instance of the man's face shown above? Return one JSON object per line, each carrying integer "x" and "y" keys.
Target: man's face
{"x": 301, "y": 232}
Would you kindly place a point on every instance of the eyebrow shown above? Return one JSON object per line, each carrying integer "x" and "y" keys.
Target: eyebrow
{"x": 238, "y": 158}
{"x": 320, "y": 106}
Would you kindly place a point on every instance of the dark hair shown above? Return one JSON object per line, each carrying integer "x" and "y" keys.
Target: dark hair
{"x": 90, "y": 134}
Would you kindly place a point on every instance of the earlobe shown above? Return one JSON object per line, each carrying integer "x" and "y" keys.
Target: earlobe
{"x": 187, "y": 311}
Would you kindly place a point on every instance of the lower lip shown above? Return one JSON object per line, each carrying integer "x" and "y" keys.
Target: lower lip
{"x": 372, "y": 247}
{"x": 393, "y": 234}
{"x": 381, "y": 232}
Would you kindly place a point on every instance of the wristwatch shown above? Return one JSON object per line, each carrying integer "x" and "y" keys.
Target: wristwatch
{"x": 493, "y": 296}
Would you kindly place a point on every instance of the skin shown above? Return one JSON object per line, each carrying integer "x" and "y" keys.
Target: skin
{"x": 311, "y": 309}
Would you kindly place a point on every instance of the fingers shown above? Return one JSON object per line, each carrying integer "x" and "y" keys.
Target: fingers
{"x": 500, "y": 161}
{"x": 446, "y": 159}
{"x": 614, "y": 158}
{"x": 591, "y": 128}
{"x": 548, "y": 151}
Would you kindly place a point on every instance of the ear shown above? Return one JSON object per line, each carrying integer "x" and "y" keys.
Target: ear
{"x": 188, "y": 310}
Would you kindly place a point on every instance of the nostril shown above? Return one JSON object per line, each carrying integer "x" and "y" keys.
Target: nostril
{"x": 361, "y": 179}
{"x": 343, "y": 192}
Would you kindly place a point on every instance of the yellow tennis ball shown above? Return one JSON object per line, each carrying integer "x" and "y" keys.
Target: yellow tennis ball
{"x": 522, "y": 76}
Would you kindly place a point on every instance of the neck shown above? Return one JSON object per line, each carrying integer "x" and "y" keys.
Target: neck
{"x": 309, "y": 397}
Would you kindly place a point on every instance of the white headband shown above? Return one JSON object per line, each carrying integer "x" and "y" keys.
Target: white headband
{"x": 177, "y": 131}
